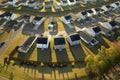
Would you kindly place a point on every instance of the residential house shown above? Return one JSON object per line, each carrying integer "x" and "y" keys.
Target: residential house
{"x": 24, "y": 2}
{"x": 11, "y": 2}
{"x": 93, "y": 31}
{"x": 25, "y": 47}
{"x": 63, "y": 2}
{"x": 74, "y": 39}
{"x": 38, "y": 6}
{"x": 43, "y": 42}
{"x": 82, "y": 15}
{"x": 9, "y": 15}
{"x": 90, "y": 13}
{"x": 96, "y": 11}
{"x": 52, "y": 23}
{"x": 107, "y": 27}
{"x": 59, "y": 42}
{"x": 110, "y": 25}
{"x": 88, "y": 39}
{"x": 38, "y": 20}
{"x": 5, "y": 2}
{"x": 106, "y": 8}
{"x": 57, "y": 7}
{"x": 26, "y": 18}
{"x": 71, "y": 2}
{"x": 17, "y": 4}
{"x": 32, "y": 3}
{"x": 67, "y": 19}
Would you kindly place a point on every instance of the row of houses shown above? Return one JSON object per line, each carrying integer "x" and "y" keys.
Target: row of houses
{"x": 99, "y": 10}
{"x": 67, "y": 19}
{"x": 37, "y": 4}
{"x": 8, "y": 15}
{"x": 87, "y": 35}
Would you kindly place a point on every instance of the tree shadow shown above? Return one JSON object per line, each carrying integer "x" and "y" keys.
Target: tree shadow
{"x": 44, "y": 55}
{"x": 45, "y": 70}
{"x": 77, "y": 52}
{"x": 66, "y": 69}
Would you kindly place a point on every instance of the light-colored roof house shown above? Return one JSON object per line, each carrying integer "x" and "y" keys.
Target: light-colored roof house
{"x": 56, "y": 6}
{"x": 9, "y": 16}
{"x": 93, "y": 31}
{"x": 107, "y": 27}
{"x": 88, "y": 39}
{"x": 11, "y": 2}
{"x": 114, "y": 5}
{"x": 24, "y": 2}
{"x": 82, "y": 14}
{"x": 96, "y": 11}
{"x": 43, "y": 42}
{"x": 74, "y": 39}
{"x": 106, "y": 8}
{"x": 38, "y": 20}
{"x": 17, "y": 4}
{"x": 64, "y": 2}
{"x": 52, "y": 23}
{"x": 90, "y": 13}
{"x": 67, "y": 19}
{"x": 71, "y": 2}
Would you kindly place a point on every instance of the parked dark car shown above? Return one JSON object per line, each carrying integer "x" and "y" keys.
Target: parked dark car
{"x": 1, "y": 44}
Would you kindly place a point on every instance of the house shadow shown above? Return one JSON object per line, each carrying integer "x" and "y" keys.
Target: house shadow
{"x": 69, "y": 30}
{"x": 77, "y": 52}
{"x": 61, "y": 56}
{"x": 41, "y": 29}
{"x": 25, "y": 56}
{"x": 44, "y": 55}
